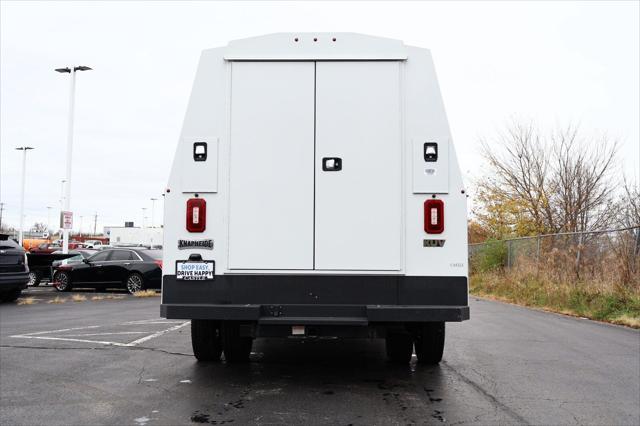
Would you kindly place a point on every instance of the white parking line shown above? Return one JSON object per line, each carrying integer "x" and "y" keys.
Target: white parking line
{"x": 106, "y": 334}
{"x": 159, "y": 333}
{"x": 153, "y": 321}
{"x": 59, "y": 331}
{"x": 72, "y": 338}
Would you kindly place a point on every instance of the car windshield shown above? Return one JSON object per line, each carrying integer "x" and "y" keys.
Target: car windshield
{"x": 87, "y": 253}
{"x": 154, "y": 254}
{"x": 60, "y": 252}
{"x": 76, "y": 258}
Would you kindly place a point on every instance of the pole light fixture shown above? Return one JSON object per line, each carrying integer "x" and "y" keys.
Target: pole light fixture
{"x": 72, "y": 88}
{"x": 79, "y": 68}
{"x": 24, "y": 150}
{"x": 153, "y": 211}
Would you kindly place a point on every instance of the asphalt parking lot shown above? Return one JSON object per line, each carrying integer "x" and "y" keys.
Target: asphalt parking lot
{"x": 114, "y": 361}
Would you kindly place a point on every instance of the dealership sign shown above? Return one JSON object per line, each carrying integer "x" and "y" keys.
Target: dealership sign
{"x": 66, "y": 220}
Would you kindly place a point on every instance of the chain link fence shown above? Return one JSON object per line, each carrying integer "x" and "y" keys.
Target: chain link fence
{"x": 612, "y": 252}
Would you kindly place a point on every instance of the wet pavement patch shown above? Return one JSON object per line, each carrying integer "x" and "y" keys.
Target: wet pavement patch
{"x": 199, "y": 417}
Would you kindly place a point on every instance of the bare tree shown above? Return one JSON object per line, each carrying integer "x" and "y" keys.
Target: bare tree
{"x": 39, "y": 227}
{"x": 519, "y": 172}
{"x": 583, "y": 181}
{"x": 559, "y": 182}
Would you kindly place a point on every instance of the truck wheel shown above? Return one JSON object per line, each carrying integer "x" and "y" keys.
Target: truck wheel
{"x": 399, "y": 347}
{"x": 206, "y": 340}
{"x": 237, "y": 348}
{"x": 62, "y": 281}
{"x": 34, "y": 278}
{"x": 429, "y": 341}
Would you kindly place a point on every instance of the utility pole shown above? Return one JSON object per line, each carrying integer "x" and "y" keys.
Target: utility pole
{"x": 72, "y": 88}
{"x": 48, "y": 218}
{"x": 95, "y": 223}
{"x": 153, "y": 211}
{"x": 24, "y": 150}
{"x": 1, "y": 210}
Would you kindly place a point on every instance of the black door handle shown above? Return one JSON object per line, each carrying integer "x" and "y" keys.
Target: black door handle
{"x": 331, "y": 164}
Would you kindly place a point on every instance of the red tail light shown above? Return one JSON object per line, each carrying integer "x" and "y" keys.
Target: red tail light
{"x": 196, "y": 215}
{"x": 433, "y": 216}
{"x": 158, "y": 262}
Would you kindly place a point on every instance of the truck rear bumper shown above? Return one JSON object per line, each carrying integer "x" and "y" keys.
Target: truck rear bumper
{"x": 356, "y": 300}
{"x": 309, "y": 315}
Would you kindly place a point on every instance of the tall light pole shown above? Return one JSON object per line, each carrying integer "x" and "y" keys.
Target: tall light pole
{"x": 62, "y": 194}
{"x": 144, "y": 211}
{"x": 153, "y": 211}
{"x": 49, "y": 218}
{"x": 72, "y": 89}
{"x": 24, "y": 150}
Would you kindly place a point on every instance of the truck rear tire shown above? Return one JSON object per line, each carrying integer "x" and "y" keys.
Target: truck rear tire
{"x": 429, "y": 342}
{"x": 237, "y": 348}
{"x": 399, "y": 347}
{"x": 205, "y": 340}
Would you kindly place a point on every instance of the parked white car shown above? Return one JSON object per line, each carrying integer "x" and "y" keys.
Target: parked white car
{"x": 93, "y": 244}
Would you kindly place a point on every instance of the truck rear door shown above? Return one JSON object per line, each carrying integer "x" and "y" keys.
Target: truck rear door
{"x": 315, "y": 166}
{"x": 358, "y": 208}
{"x": 271, "y": 189}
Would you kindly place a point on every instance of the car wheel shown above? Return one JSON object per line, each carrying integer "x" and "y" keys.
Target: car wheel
{"x": 135, "y": 283}
{"x": 429, "y": 342}
{"x": 237, "y": 348}
{"x": 399, "y": 347}
{"x": 206, "y": 340}
{"x": 34, "y": 278}
{"x": 62, "y": 281}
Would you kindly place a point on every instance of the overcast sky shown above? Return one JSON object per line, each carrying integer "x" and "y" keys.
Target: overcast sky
{"x": 555, "y": 63}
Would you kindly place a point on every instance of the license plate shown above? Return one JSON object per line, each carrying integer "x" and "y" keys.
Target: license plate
{"x": 195, "y": 271}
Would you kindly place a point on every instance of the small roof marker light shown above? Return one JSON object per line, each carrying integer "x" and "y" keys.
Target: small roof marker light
{"x": 315, "y": 39}
{"x": 295, "y": 39}
{"x": 334, "y": 39}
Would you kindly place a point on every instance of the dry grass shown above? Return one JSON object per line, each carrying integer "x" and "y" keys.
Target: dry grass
{"x": 27, "y": 301}
{"x": 113, "y": 297}
{"x": 552, "y": 288}
{"x": 58, "y": 299}
{"x": 146, "y": 293}
{"x": 107, "y": 297}
{"x": 78, "y": 298}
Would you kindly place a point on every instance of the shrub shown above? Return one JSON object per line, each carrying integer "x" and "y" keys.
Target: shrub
{"x": 492, "y": 256}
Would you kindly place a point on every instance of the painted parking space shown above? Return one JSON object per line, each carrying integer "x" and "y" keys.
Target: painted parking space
{"x": 126, "y": 334}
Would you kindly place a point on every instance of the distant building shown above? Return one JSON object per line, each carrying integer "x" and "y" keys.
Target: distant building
{"x": 126, "y": 235}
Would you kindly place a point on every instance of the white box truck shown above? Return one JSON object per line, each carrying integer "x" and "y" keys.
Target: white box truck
{"x": 315, "y": 191}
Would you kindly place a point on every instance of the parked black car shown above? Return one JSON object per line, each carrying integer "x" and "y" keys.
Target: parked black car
{"x": 131, "y": 268}
{"x": 40, "y": 264}
{"x": 14, "y": 272}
